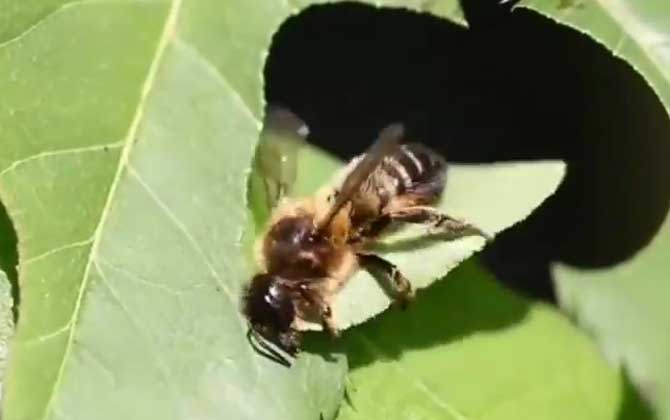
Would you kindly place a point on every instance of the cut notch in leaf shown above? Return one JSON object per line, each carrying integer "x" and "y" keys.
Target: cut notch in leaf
{"x": 493, "y": 197}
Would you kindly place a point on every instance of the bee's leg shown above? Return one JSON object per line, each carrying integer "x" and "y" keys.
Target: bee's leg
{"x": 324, "y": 309}
{"x": 402, "y": 288}
{"x": 440, "y": 223}
{"x": 377, "y": 226}
{"x": 328, "y": 322}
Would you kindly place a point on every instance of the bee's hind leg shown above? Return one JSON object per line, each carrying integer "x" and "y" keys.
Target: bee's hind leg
{"x": 440, "y": 223}
{"x": 402, "y": 288}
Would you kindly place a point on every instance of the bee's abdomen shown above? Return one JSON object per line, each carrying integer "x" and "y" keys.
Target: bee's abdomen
{"x": 412, "y": 175}
{"x": 414, "y": 169}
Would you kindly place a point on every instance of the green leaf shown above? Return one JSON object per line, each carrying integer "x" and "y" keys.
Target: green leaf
{"x": 128, "y": 130}
{"x": 6, "y": 325}
{"x": 473, "y": 350}
{"x": 492, "y": 196}
{"x": 626, "y": 308}
{"x": 636, "y": 31}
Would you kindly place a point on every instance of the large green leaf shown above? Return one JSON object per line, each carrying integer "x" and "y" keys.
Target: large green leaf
{"x": 128, "y": 132}
{"x": 472, "y": 350}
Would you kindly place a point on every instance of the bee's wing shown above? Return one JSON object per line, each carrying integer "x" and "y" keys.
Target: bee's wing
{"x": 386, "y": 143}
{"x": 276, "y": 155}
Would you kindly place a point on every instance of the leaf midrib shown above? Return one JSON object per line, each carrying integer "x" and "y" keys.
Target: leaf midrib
{"x": 166, "y": 34}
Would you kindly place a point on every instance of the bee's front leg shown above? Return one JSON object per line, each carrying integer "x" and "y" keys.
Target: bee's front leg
{"x": 440, "y": 223}
{"x": 328, "y": 322}
{"x": 322, "y": 307}
{"x": 402, "y": 288}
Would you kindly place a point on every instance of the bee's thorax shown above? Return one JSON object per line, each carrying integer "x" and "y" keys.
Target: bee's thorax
{"x": 293, "y": 249}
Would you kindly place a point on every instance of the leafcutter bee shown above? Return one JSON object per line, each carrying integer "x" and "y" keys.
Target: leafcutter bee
{"x": 313, "y": 245}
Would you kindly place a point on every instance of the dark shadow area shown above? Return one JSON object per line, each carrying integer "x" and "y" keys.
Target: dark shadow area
{"x": 513, "y": 86}
{"x": 632, "y": 405}
{"x": 9, "y": 257}
{"x": 470, "y": 302}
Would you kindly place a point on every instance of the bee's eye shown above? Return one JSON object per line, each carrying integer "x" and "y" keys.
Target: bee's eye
{"x": 274, "y": 296}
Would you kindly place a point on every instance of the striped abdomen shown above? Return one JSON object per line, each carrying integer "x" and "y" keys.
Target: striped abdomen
{"x": 413, "y": 175}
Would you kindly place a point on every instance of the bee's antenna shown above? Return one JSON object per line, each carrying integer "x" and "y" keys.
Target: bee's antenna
{"x": 261, "y": 347}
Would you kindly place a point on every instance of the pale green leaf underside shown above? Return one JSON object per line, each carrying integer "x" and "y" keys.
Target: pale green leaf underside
{"x": 472, "y": 350}
{"x": 637, "y": 31}
{"x": 128, "y": 130}
{"x": 492, "y": 196}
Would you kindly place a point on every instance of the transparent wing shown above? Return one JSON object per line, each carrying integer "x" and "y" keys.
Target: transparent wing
{"x": 385, "y": 144}
{"x": 275, "y": 163}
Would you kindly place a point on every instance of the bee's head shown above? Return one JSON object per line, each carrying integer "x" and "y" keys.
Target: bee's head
{"x": 269, "y": 308}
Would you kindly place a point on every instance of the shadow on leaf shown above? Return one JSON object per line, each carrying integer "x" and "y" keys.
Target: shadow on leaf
{"x": 515, "y": 85}
{"x": 632, "y": 405}
{"x": 467, "y": 303}
{"x": 464, "y": 303}
{"x": 9, "y": 258}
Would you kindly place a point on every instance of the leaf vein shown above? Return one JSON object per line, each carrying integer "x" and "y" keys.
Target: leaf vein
{"x": 99, "y": 363}
{"x": 50, "y": 153}
{"x": 50, "y": 14}
{"x": 218, "y": 75}
{"x": 232, "y": 297}
{"x": 619, "y": 44}
{"x": 143, "y": 332}
{"x": 139, "y": 279}
{"x": 41, "y": 21}
{"x": 56, "y": 250}
{"x": 184, "y": 230}
{"x": 47, "y": 336}
{"x": 417, "y": 382}
{"x": 167, "y": 32}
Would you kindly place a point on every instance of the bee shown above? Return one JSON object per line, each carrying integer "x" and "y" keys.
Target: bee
{"x": 313, "y": 245}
